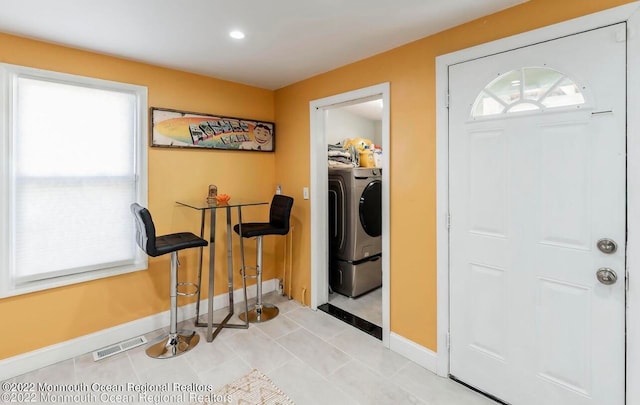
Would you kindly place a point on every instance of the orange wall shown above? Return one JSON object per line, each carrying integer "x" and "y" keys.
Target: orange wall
{"x": 410, "y": 70}
{"x": 48, "y": 317}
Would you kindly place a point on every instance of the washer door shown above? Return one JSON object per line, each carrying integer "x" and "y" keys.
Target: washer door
{"x": 371, "y": 208}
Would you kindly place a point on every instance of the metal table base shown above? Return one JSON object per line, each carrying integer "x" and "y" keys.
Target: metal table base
{"x": 210, "y": 325}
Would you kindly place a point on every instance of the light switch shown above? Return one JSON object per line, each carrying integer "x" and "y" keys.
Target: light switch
{"x": 305, "y": 193}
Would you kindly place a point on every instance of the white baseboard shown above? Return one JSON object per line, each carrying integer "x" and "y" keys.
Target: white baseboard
{"x": 414, "y": 352}
{"x": 26, "y": 362}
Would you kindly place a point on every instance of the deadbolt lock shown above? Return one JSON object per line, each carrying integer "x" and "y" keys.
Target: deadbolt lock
{"x": 607, "y": 246}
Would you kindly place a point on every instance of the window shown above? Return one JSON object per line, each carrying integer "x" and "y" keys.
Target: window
{"x": 527, "y": 89}
{"x": 75, "y": 156}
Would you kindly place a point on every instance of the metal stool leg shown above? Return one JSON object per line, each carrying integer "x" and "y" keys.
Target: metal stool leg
{"x": 176, "y": 343}
{"x": 261, "y": 312}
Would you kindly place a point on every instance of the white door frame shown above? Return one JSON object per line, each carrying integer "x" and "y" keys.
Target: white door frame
{"x": 628, "y": 13}
{"x": 320, "y": 195}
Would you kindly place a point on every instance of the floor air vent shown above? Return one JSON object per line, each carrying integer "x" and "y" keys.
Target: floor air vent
{"x": 118, "y": 348}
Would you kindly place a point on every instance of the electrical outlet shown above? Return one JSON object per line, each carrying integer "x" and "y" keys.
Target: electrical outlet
{"x": 305, "y": 193}
{"x": 278, "y": 189}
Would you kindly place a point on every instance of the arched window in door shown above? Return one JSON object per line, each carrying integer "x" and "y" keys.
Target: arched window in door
{"x": 527, "y": 89}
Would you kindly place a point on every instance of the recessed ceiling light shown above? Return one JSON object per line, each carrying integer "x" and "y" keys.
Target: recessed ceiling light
{"x": 236, "y": 34}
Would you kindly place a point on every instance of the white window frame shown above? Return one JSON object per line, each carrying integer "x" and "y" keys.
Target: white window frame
{"x": 541, "y": 108}
{"x": 9, "y": 74}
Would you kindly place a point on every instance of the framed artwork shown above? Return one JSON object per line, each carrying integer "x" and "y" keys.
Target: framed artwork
{"x": 180, "y": 129}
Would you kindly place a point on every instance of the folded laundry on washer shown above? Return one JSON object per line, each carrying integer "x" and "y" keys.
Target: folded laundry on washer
{"x": 334, "y": 163}
{"x": 341, "y": 157}
{"x": 347, "y": 162}
{"x": 340, "y": 153}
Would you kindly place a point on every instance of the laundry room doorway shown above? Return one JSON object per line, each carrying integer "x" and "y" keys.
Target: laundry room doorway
{"x": 350, "y": 208}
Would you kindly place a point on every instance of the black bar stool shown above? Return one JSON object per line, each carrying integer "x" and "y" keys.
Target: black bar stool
{"x": 279, "y": 218}
{"x": 176, "y": 342}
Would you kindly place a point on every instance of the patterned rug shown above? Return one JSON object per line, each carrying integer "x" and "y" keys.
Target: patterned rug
{"x": 254, "y": 388}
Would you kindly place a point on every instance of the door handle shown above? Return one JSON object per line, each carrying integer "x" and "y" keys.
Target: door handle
{"x": 335, "y": 212}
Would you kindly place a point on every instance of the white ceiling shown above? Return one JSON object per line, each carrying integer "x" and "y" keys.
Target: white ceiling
{"x": 371, "y": 110}
{"x": 286, "y": 40}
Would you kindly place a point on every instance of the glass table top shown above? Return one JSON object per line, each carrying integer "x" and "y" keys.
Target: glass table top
{"x": 204, "y": 205}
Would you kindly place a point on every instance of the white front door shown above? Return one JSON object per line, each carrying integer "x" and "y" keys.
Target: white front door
{"x": 537, "y": 178}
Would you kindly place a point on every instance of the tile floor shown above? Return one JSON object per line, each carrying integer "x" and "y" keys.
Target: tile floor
{"x": 367, "y": 306}
{"x": 313, "y": 357}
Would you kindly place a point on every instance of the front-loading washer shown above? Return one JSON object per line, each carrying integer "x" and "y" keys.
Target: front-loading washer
{"x": 355, "y": 229}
